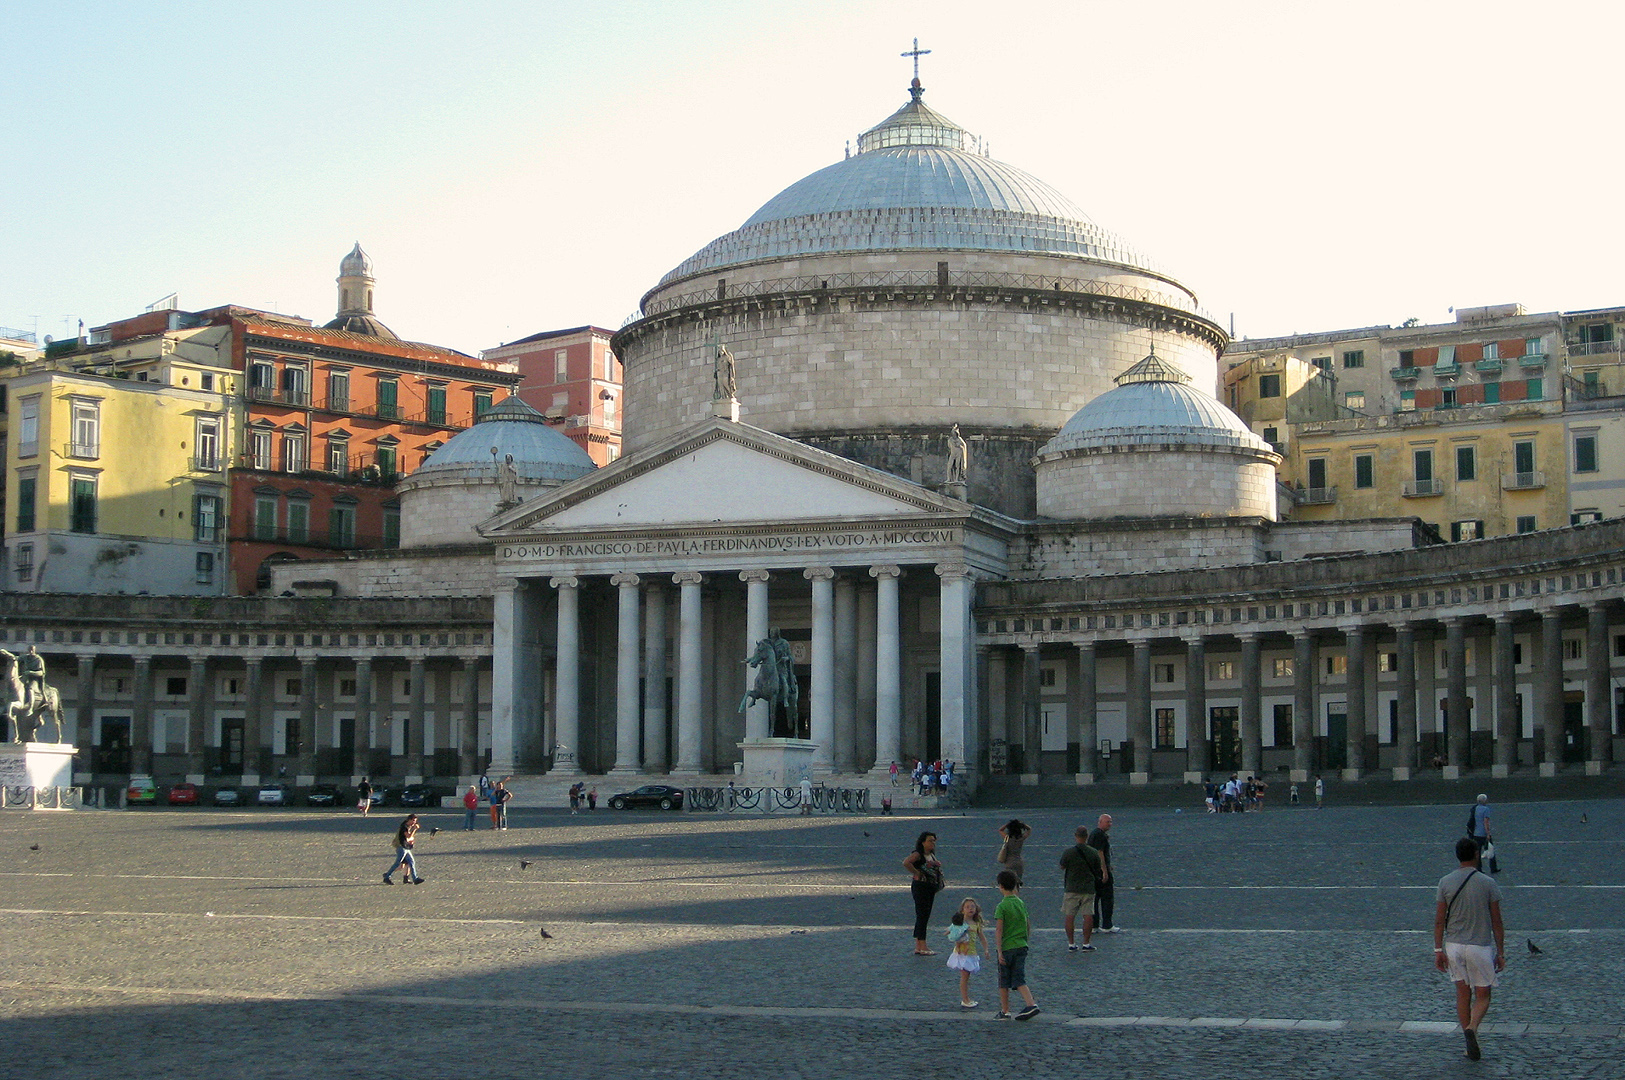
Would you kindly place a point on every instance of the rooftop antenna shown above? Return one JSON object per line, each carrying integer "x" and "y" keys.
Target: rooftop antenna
{"x": 914, "y": 88}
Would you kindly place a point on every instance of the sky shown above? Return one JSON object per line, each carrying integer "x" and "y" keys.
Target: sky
{"x": 519, "y": 167}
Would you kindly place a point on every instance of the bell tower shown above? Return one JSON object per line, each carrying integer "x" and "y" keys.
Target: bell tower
{"x": 355, "y": 283}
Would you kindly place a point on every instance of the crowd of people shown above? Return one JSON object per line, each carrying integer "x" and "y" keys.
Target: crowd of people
{"x": 929, "y": 777}
{"x": 1236, "y": 795}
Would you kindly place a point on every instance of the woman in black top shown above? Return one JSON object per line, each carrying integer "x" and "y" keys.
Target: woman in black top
{"x": 405, "y": 834}
{"x": 923, "y": 867}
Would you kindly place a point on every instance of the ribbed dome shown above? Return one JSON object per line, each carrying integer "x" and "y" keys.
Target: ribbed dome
{"x": 356, "y": 264}
{"x": 539, "y": 452}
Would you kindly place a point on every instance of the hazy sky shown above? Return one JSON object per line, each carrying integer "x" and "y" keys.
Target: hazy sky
{"x": 515, "y": 167}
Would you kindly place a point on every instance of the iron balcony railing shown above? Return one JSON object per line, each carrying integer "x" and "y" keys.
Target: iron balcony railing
{"x": 277, "y": 397}
{"x": 1405, "y": 372}
{"x": 1592, "y": 348}
{"x": 1319, "y": 496}
{"x": 1422, "y": 489}
{"x": 207, "y": 463}
{"x": 1487, "y": 366}
{"x": 1522, "y": 481}
{"x": 317, "y": 538}
{"x": 1532, "y": 360}
{"x": 82, "y": 450}
{"x": 1446, "y": 371}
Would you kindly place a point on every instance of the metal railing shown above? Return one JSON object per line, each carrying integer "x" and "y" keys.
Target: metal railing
{"x": 1446, "y": 371}
{"x": 1422, "y": 489}
{"x": 1522, "y": 481}
{"x": 207, "y": 463}
{"x": 277, "y": 397}
{"x": 82, "y": 450}
{"x": 317, "y": 538}
{"x": 14, "y": 797}
{"x": 1592, "y": 348}
{"x": 1405, "y": 372}
{"x": 1489, "y": 366}
{"x": 1532, "y": 360}
{"x": 1319, "y": 496}
{"x": 825, "y": 800}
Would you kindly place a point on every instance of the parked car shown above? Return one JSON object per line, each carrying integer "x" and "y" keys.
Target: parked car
{"x": 417, "y": 795}
{"x": 272, "y": 795}
{"x": 228, "y": 796}
{"x": 183, "y": 795}
{"x": 141, "y": 791}
{"x": 324, "y": 795}
{"x": 661, "y": 795}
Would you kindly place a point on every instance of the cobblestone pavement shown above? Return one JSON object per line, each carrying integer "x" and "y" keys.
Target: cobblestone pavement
{"x": 263, "y": 944}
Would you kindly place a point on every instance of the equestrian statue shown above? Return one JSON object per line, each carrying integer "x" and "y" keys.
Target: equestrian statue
{"x": 31, "y": 695}
{"x": 775, "y": 679}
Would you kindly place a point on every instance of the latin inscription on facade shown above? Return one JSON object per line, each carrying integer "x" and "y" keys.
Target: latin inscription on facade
{"x": 872, "y": 539}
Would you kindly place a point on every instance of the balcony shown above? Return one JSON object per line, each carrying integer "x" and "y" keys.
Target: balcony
{"x": 1523, "y": 481}
{"x": 1487, "y": 367}
{"x": 1319, "y": 496}
{"x": 1405, "y": 374}
{"x": 272, "y": 395}
{"x": 82, "y": 450}
{"x": 1446, "y": 371}
{"x": 316, "y": 538}
{"x": 207, "y": 463}
{"x": 1422, "y": 489}
{"x": 1593, "y": 348}
{"x": 1532, "y": 361}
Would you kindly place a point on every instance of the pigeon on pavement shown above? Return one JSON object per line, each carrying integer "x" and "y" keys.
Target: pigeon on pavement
{"x": 546, "y": 935}
{"x": 1533, "y": 948}
{"x": 524, "y": 864}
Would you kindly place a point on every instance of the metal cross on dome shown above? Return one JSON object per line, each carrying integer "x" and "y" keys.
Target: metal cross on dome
{"x": 916, "y": 53}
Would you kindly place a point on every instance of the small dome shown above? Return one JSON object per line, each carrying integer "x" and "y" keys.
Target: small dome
{"x": 356, "y": 264}
{"x": 540, "y": 454}
{"x": 362, "y": 324}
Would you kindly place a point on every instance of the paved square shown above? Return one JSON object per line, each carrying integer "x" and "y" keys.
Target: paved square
{"x": 1291, "y": 942}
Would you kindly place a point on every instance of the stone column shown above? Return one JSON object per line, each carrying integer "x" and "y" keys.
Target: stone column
{"x": 846, "y": 674}
{"x": 417, "y": 741}
{"x": 1252, "y": 705}
{"x": 1088, "y": 715}
{"x": 822, "y": 702}
{"x": 362, "y": 766}
{"x": 627, "y": 660}
{"x": 1354, "y": 680}
{"x": 1458, "y": 724}
{"x": 888, "y": 669}
{"x": 956, "y": 660}
{"x": 512, "y": 703}
{"x": 688, "y": 672}
{"x": 758, "y": 624}
{"x": 567, "y": 679}
{"x": 1032, "y": 740}
{"x": 1507, "y": 721}
{"x": 866, "y": 679}
{"x": 1405, "y": 648}
{"x": 1550, "y": 713}
{"x": 197, "y": 694}
{"x": 304, "y": 762}
{"x": 255, "y": 737}
{"x": 141, "y": 718}
{"x": 1139, "y": 711}
{"x": 1303, "y": 706}
{"x": 80, "y": 731}
{"x": 1599, "y": 707}
{"x": 1196, "y": 748}
{"x": 468, "y": 737}
{"x": 655, "y": 714}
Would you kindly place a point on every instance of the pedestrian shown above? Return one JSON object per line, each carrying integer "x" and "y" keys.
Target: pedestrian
{"x": 471, "y": 807}
{"x": 1469, "y": 941}
{"x": 499, "y": 804}
{"x": 733, "y": 796}
{"x": 1015, "y": 834}
{"x": 1320, "y": 793}
{"x": 1010, "y": 939}
{"x": 1106, "y": 891}
{"x": 592, "y": 797}
{"x": 806, "y": 796}
{"x": 885, "y": 805}
{"x": 1478, "y": 827}
{"x": 968, "y": 934}
{"x": 923, "y": 867}
{"x": 1293, "y": 795}
{"x": 405, "y": 836}
{"x": 364, "y": 795}
{"x": 894, "y": 774}
{"x": 575, "y": 797}
{"x": 1082, "y": 868}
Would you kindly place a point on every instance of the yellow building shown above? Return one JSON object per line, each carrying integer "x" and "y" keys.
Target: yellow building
{"x": 116, "y": 480}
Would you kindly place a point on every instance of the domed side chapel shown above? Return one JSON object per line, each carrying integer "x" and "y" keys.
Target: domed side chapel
{"x": 953, "y": 450}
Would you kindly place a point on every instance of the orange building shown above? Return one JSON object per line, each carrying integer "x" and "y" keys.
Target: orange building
{"x": 573, "y": 378}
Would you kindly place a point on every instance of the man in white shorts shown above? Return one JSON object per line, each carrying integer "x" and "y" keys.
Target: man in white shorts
{"x": 1468, "y": 939}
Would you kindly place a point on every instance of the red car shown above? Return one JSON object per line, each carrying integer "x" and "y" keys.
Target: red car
{"x": 183, "y": 795}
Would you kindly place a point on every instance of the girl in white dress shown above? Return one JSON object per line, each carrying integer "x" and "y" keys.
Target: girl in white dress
{"x": 965, "y": 930}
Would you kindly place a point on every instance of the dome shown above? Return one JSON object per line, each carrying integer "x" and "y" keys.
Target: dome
{"x": 918, "y": 182}
{"x": 367, "y": 325}
{"x": 540, "y": 454}
{"x": 356, "y": 264}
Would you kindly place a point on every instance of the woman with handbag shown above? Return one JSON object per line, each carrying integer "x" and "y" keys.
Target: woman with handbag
{"x": 926, "y": 872}
{"x": 1015, "y": 834}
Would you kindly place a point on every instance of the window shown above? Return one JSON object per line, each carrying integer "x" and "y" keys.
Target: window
{"x": 205, "y": 568}
{"x": 1317, "y": 473}
{"x": 265, "y": 518}
{"x": 561, "y": 364}
{"x": 205, "y": 381}
{"x": 561, "y": 402}
{"x": 295, "y": 389}
{"x": 341, "y": 526}
{"x": 1354, "y": 399}
{"x": 1447, "y": 355}
{"x": 482, "y": 403}
{"x": 1492, "y": 393}
{"x": 1466, "y": 530}
{"x": 346, "y": 687}
{"x": 436, "y": 409}
{"x": 175, "y": 685}
{"x": 206, "y": 518}
{"x": 1573, "y": 649}
{"x": 1492, "y": 350}
{"x": 1162, "y": 673}
{"x": 298, "y": 521}
{"x": 292, "y": 688}
{"x": 1364, "y": 470}
{"x": 1447, "y": 397}
{"x": 386, "y": 460}
{"x": 1407, "y": 358}
{"x": 1534, "y": 346}
{"x": 338, "y": 456}
{"x": 1354, "y": 358}
{"x": 208, "y": 444}
{"x": 388, "y": 397}
{"x": 1046, "y": 677}
{"x": 25, "y": 562}
{"x": 87, "y": 430}
{"x": 1526, "y": 523}
{"x": 28, "y": 426}
{"x": 1596, "y": 333}
{"x": 1283, "y": 725}
{"x": 1283, "y": 667}
{"x": 1591, "y": 382}
{"x": 259, "y": 450}
{"x": 1322, "y": 363}
{"x": 1337, "y": 665}
{"x": 1585, "y": 453}
{"x": 1222, "y": 670}
{"x": 392, "y": 539}
{"x": 293, "y": 453}
{"x": 261, "y": 381}
{"x": 609, "y": 409}
{"x": 1466, "y": 463}
{"x": 27, "y": 487}
{"x": 1407, "y": 401}
{"x": 1580, "y": 517}
{"x": 1269, "y": 386}
{"x": 1387, "y": 662}
{"x": 1272, "y": 435}
{"x": 82, "y": 504}
{"x": 1422, "y": 465}
{"x": 1534, "y": 390}
{"x": 338, "y": 391}
{"x": 1165, "y": 729}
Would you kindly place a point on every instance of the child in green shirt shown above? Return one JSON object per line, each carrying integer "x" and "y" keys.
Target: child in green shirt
{"x": 1010, "y": 939}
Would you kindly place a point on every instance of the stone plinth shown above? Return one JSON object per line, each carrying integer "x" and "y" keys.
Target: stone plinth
{"x": 37, "y": 765}
{"x": 776, "y": 762}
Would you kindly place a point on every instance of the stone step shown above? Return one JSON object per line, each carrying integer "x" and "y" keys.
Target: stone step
{"x": 549, "y": 791}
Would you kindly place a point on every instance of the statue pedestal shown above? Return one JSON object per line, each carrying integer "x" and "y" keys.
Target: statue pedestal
{"x": 37, "y": 764}
{"x": 727, "y": 410}
{"x": 776, "y": 762}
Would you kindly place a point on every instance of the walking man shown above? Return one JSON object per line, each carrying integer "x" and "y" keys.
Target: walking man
{"x": 364, "y": 796}
{"x": 471, "y": 807}
{"x": 1478, "y": 823}
{"x": 1468, "y": 939}
{"x": 1105, "y": 892}
{"x": 1320, "y": 792}
{"x": 1082, "y": 868}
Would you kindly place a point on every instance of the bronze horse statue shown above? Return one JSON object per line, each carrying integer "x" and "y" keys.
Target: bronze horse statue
{"x": 775, "y": 677}
{"x": 28, "y": 703}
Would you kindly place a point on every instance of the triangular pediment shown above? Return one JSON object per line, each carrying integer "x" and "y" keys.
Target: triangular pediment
{"x": 721, "y": 471}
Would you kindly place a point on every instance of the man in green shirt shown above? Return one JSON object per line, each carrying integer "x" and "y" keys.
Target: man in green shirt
{"x": 1010, "y": 940}
{"x": 1083, "y": 867}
